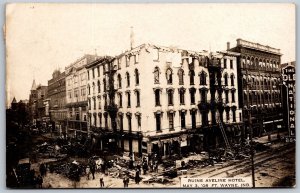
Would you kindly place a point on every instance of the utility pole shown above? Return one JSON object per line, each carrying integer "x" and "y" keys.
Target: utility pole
{"x": 251, "y": 134}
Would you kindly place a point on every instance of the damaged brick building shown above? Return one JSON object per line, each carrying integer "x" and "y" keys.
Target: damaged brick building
{"x": 164, "y": 100}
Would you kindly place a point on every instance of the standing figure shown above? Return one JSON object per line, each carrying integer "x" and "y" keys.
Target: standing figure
{"x": 145, "y": 167}
{"x": 88, "y": 172}
{"x": 130, "y": 163}
{"x": 43, "y": 169}
{"x": 101, "y": 181}
{"x": 137, "y": 177}
{"x": 93, "y": 169}
{"x": 40, "y": 181}
{"x": 127, "y": 181}
{"x": 156, "y": 166}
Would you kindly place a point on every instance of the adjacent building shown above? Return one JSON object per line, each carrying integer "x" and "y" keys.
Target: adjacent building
{"x": 259, "y": 79}
{"x": 57, "y": 99}
{"x": 76, "y": 96}
{"x": 289, "y": 96}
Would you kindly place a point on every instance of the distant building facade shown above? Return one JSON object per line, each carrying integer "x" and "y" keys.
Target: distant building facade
{"x": 259, "y": 86}
{"x": 76, "y": 97}
{"x": 19, "y": 112}
{"x": 57, "y": 99}
{"x": 33, "y": 103}
{"x": 42, "y": 104}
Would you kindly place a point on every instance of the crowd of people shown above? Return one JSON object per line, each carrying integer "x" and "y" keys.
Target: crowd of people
{"x": 141, "y": 167}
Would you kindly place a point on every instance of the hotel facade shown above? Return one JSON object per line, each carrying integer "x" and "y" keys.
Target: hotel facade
{"x": 161, "y": 100}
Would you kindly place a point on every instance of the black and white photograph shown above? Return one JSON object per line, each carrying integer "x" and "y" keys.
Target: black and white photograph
{"x": 106, "y": 96}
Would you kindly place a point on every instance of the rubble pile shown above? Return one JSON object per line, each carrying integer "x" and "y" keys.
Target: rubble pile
{"x": 260, "y": 147}
{"x": 72, "y": 170}
{"x": 170, "y": 172}
{"x": 61, "y": 149}
{"x": 157, "y": 179}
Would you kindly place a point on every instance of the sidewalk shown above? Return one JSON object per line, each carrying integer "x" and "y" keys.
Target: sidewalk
{"x": 273, "y": 137}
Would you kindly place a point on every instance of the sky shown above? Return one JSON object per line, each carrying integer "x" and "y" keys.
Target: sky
{"x": 43, "y": 37}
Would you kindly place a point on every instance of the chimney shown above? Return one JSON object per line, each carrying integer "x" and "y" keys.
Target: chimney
{"x": 131, "y": 38}
{"x": 228, "y": 45}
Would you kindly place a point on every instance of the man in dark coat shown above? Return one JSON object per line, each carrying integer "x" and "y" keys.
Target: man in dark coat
{"x": 93, "y": 169}
{"x": 42, "y": 169}
{"x": 124, "y": 182}
{"x": 145, "y": 167}
{"x": 137, "y": 177}
{"x": 40, "y": 181}
{"x": 101, "y": 181}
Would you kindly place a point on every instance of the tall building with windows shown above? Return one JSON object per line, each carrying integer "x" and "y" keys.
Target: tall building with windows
{"x": 259, "y": 86}
{"x": 76, "y": 96}
{"x": 57, "y": 100}
{"x": 33, "y": 103}
{"x": 155, "y": 99}
{"x": 43, "y": 118}
{"x": 100, "y": 97}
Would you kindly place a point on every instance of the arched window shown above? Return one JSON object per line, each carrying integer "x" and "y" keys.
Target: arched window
{"x": 89, "y": 104}
{"x": 227, "y": 114}
{"x": 243, "y": 62}
{"x": 203, "y": 76}
{"x": 203, "y": 95}
{"x": 104, "y": 85}
{"x": 120, "y": 100}
{"x": 260, "y": 63}
{"x": 226, "y": 79}
{"x": 232, "y": 79}
{"x": 99, "y": 87}
{"x": 170, "y": 97}
{"x": 252, "y": 62}
{"x": 169, "y": 75}
{"x": 157, "y": 97}
{"x": 192, "y": 77}
{"x": 268, "y": 64}
{"x": 245, "y": 98}
{"x": 89, "y": 89}
{"x": 137, "y": 93}
{"x": 156, "y": 75}
{"x": 233, "y": 96}
{"x": 256, "y": 63}
{"x": 272, "y": 65}
{"x": 128, "y": 79}
{"x": 137, "y": 79}
{"x": 98, "y": 71}
{"x": 181, "y": 96}
{"x": 105, "y": 101}
{"x": 192, "y": 95}
{"x": 93, "y": 87}
{"x": 119, "y": 81}
{"x": 128, "y": 99}
{"x": 227, "y": 96}
{"x": 233, "y": 115}
{"x": 180, "y": 76}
